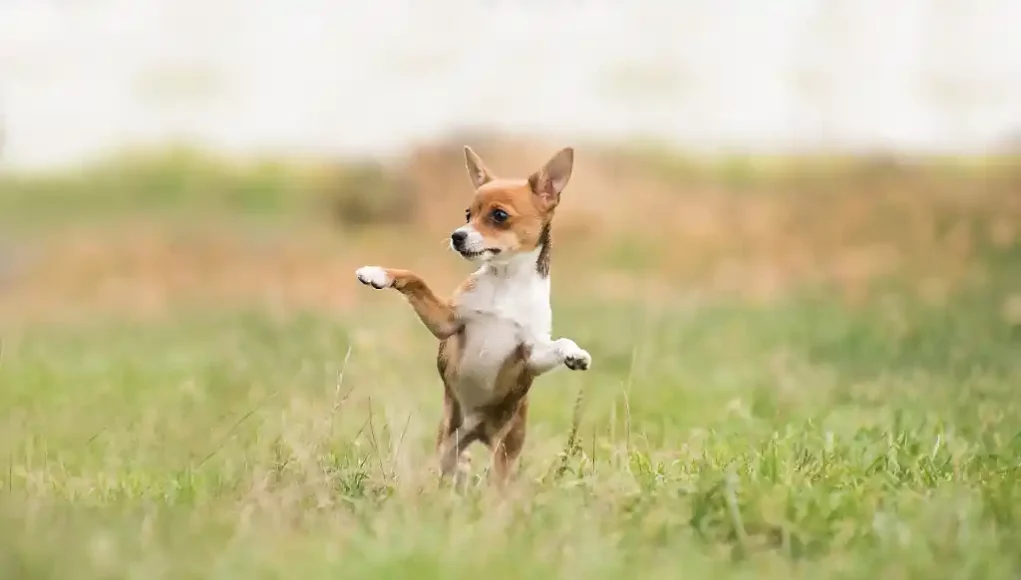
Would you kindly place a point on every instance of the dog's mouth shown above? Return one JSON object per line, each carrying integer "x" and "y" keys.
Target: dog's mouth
{"x": 472, "y": 255}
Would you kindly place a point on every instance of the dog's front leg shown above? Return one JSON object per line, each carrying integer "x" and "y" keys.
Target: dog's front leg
{"x": 437, "y": 314}
{"x": 545, "y": 356}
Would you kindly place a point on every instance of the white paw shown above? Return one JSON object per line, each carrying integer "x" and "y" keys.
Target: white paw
{"x": 373, "y": 276}
{"x": 575, "y": 358}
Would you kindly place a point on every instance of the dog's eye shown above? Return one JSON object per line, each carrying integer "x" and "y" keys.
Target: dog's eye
{"x": 467, "y": 215}
{"x": 499, "y": 216}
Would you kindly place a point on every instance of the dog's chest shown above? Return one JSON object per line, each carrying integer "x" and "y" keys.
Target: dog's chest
{"x": 499, "y": 315}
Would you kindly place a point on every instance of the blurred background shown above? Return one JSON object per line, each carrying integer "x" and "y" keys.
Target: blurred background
{"x": 791, "y": 243}
{"x": 159, "y": 151}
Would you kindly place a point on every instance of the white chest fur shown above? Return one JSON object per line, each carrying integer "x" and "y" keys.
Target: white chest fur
{"x": 508, "y": 305}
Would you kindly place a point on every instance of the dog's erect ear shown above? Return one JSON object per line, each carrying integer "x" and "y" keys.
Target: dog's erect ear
{"x": 548, "y": 182}
{"x": 477, "y": 170}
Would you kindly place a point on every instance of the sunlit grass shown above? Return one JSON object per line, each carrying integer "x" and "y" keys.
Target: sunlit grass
{"x": 783, "y": 386}
{"x": 802, "y": 439}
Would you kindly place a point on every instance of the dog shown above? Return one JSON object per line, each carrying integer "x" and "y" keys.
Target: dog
{"x": 495, "y": 331}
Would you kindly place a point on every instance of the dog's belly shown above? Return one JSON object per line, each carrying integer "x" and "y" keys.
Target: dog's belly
{"x": 487, "y": 345}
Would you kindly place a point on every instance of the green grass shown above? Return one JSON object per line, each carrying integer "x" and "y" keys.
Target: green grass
{"x": 802, "y": 439}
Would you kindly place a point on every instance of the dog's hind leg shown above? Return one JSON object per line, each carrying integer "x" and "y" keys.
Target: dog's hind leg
{"x": 452, "y": 443}
{"x": 507, "y": 445}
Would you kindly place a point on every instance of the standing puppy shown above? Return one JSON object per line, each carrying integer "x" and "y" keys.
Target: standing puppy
{"x": 495, "y": 331}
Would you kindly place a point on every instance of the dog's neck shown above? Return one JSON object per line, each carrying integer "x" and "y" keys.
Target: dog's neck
{"x": 521, "y": 265}
{"x": 532, "y": 264}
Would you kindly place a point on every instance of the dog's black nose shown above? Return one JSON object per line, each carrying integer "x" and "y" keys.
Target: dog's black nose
{"x": 458, "y": 237}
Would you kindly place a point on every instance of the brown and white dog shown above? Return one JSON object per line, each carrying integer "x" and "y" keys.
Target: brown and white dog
{"x": 495, "y": 331}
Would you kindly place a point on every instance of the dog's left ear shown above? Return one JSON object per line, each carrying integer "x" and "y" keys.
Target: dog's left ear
{"x": 548, "y": 182}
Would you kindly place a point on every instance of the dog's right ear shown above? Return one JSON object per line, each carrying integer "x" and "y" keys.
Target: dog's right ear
{"x": 477, "y": 170}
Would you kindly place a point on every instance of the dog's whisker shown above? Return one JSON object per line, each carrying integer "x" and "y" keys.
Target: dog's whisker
{"x": 447, "y": 243}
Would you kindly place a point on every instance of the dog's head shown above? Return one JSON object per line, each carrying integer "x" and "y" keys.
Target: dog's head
{"x": 508, "y": 217}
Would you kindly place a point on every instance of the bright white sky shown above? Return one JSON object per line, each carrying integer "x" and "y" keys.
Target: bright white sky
{"x": 81, "y": 77}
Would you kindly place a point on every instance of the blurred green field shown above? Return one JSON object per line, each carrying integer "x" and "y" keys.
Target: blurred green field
{"x": 180, "y": 401}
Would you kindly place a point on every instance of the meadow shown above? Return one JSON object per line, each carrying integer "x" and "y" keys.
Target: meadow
{"x": 801, "y": 369}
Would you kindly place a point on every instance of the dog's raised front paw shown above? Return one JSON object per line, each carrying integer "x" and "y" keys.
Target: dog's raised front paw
{"x": 578, "y": 361}
{"x": 373, "y": 276}
{"x": 575, "y": 357}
